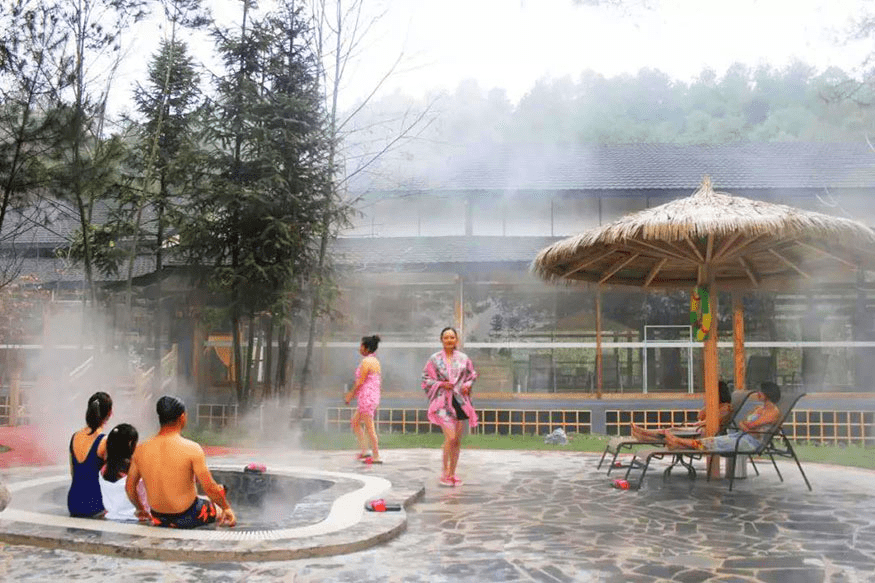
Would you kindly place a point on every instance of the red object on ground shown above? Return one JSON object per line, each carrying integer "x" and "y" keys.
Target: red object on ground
{"x": 379, "y": 505}
{"x": 27, "y": 447}
{"x": 255, "y": 468}
{"x": 621, "y": 484}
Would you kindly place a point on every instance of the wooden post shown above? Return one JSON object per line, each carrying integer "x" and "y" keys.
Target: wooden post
{"x": 598, "y": 342}
{"x": 14, "y": 394}
{"x": 712, "y": 373}
{"x": 738, "y": 340}
{"x": 198, "y": 353}
{"x": 459, "y": 308}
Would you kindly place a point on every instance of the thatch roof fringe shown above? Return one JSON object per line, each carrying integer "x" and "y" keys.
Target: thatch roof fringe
{"x": 715, "y": 213}
{"x": 683, "y": 226}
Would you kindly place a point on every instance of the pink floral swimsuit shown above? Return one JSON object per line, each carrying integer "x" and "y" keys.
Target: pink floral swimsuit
{"x": 368, "y": 395}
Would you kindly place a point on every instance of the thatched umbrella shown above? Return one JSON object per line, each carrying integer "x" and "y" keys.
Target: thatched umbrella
{"x": 713, "y": 241}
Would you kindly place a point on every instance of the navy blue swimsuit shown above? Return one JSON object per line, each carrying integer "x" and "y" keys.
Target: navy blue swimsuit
{"x": 84, "y": 499}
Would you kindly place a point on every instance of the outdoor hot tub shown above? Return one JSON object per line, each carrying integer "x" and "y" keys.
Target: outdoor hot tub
{"x": 284, "y": 513}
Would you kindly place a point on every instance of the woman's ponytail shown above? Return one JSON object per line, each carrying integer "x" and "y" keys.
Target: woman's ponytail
{"x": 99, "y": 408}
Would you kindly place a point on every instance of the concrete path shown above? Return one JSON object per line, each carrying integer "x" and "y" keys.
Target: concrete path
{"x": 550, "y": 517}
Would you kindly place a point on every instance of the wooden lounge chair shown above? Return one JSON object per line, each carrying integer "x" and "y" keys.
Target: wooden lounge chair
{"x": 616, "y": 445}
{"x": 772, "y": 443}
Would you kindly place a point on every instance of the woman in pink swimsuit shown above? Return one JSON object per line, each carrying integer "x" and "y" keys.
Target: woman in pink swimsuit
{"x": 367, "y": 393}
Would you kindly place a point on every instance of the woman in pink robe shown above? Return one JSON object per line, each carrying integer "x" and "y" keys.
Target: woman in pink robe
{"x": 447, "y": 379}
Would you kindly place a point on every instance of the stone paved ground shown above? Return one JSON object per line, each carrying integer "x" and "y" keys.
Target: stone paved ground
{"x": 551, "y": 517}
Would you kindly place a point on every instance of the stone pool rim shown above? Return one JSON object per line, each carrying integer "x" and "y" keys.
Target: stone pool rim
{"x": 346, "y": 528}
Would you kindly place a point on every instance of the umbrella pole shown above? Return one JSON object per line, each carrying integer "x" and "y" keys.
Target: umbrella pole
{"x": 712, "y": 400}
{"x": 738, "y": 340}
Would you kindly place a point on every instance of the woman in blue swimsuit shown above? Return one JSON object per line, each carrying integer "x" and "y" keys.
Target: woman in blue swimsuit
{"x": 87, "y": 454}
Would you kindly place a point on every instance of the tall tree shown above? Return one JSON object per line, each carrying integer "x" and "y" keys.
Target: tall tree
{"x": 165, "y": 164}
{"x": 167, "y": 102}
{"x": 88, "y": 159}
{"x": 339, "y": 29}
{"x": 31, "y": 75}
{"x": 253, "y": 222}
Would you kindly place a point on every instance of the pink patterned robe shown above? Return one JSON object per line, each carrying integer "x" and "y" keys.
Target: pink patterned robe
{"x": 459, "y": 371}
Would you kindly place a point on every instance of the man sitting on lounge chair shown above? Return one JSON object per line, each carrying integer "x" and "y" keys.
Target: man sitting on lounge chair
{"x": 760, "y": 421}
{"x": 658, "y": 435}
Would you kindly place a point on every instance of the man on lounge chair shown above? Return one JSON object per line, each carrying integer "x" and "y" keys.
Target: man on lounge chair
{"x": 760, "y": 421}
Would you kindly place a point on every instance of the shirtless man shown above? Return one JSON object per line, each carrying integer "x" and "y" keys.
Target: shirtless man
{"x": 168, "y": 464}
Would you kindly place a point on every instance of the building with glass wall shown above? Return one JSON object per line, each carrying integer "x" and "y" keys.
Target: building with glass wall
{"x": 454, "y": 249}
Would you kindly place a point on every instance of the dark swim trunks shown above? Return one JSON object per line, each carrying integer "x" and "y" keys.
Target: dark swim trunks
{"x": 201, "y": 512}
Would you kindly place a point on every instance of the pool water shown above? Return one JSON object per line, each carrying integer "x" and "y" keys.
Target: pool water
{"x": 260, "y": 501}
{"x": 267, "y": 500}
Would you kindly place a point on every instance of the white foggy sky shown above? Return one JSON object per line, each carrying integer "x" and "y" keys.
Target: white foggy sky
{"x": 513, "y": 43}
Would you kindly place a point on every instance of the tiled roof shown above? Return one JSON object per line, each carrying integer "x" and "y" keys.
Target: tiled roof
{"x": 51, "y": 270}
{"x": 53, "y": 221}
{"x": 642, "y": 166}
{"x": 360, "y": 253}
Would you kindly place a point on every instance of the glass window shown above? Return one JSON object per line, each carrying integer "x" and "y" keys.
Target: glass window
{"x": 573, "y": 214}
{"x": 442, "y": 215}
{"x": 487, "y": 216}
{"x": 529, "y": 215}
{"x": 397, "y": 217}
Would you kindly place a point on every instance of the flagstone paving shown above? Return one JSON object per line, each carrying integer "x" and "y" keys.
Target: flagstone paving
{"x": 545, "y": 517}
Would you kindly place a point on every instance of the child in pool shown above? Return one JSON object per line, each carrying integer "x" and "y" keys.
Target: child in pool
{"x": 120, "y": 445}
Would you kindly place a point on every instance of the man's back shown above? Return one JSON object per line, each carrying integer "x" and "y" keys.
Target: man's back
{"x": 166, "y": 464}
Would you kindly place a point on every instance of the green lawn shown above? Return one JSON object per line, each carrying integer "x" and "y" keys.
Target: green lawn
{"x": 851, "y": 455}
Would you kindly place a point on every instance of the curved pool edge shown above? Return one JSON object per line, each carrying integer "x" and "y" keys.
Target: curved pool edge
{"x": 347, "y": 528}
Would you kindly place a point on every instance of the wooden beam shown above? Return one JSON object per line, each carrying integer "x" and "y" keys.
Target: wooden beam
{"x": 695, "y": 249}
{"x": 711, "y": 379}
{"x": 662, "y": 251}
{"x": 684, "y": 252}
{"x": 598, "y": 343}
{"x": 725, "y": 245}
{"x": 751, "y": 272}
{"x": 789, "y": 264}
{"x": 618, "y": 267}
{"x": 590, "y": 262}
{"x": 738, "y": 340}
{"x": 734, "y": 252}
{"x": 709, "y": 250}
{"x": 827, "y": 253}
{"x": 654, "y": 270}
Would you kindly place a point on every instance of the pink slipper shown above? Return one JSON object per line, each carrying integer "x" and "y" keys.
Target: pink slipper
{"x": 447, "y": 482}
{"x": 456, "y": 481}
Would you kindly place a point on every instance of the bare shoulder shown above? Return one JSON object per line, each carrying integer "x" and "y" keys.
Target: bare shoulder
{"x": 143, "y": 447}
{"x": 190, "y": 446}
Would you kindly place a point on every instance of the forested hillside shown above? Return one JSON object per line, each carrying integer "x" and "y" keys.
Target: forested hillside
{"x": 797, "y": 103}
